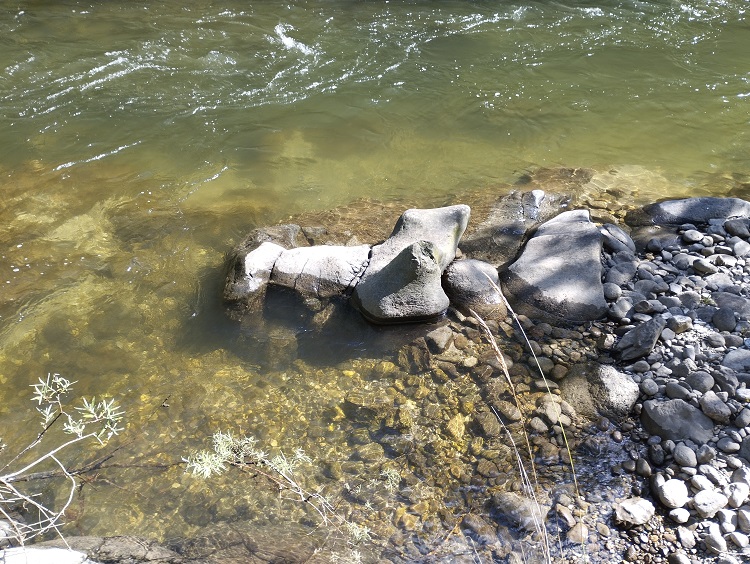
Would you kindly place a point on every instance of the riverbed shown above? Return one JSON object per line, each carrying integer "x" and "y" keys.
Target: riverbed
{"x": 141, "y": 142}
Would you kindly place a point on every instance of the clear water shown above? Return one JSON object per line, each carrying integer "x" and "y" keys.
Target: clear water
{"x": 140, "y": 141}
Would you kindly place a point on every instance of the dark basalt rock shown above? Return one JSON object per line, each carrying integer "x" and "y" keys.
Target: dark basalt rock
{"x": 690, "y": 210}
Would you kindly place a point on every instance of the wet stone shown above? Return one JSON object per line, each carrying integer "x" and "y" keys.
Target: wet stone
{"x": 509, "y": 411}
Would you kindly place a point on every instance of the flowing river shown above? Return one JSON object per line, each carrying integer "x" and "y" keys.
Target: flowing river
{"x": 141, "y": 141}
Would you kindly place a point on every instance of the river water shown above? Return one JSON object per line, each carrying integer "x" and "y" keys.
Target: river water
{"x": 141, "y": 141}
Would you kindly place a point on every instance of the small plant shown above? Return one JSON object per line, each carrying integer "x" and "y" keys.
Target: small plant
{"x": 98, "y": 420}
{"x": 280, "y": 470}
{"x": 392, "y": 479}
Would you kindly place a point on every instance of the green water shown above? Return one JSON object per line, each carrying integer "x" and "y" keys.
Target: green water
{"x": 140, "y": 141}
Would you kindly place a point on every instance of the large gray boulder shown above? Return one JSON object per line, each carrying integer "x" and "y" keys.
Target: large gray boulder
{"x": 559, "y": 273}
{"x": 594, "y": 390}
{"x": 407, "y": 289}
{"x": 402, "y": 280}
{"x": 676, "y": 420}
{"x": 322, "y": 271}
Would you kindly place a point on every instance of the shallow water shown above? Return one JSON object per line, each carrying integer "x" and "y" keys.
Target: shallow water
{"x": 140, "y": 142}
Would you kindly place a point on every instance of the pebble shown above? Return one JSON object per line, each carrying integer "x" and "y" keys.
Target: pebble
{"x": 684, "y": 455}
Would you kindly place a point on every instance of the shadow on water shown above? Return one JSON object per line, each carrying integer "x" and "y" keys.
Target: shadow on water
{"x": 320, "y": 333}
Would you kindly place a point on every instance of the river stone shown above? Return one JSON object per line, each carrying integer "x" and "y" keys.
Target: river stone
{"x": 323, "y": 271}
{"x": 673, "y": 493}
{"x": 738, "y": 360}
{"x": 745, "y": 453}
{"x": 737, "y": 493}
{"x": 676, "y": 420}
{"x": 439, "y": 339}
{"x": 578, "y": 534}
{"x": 474, "y": 285}
{"x": 519, "y": 510}
{"x": 684, "y": 456}
{"x": 641, "y": 340}
{"x": 738, "y": 304}
{"x": 715, "y": 408}
{"x": 737, "y": 227}
{"x": 724, "y": 319}
{"x": 707, "y": 502}
{"x": 559, "y": 274}
{"x": 691, "y": 210}
{"x": 403, "y": 280}
{"x": 616, "y": 239}
{"x": 249, "y": 276}
{"x": 634, "y": 511}
{"x": 700, "y": 381}
{"x": 594, "y": 390}
{"x": 715, "y": 542}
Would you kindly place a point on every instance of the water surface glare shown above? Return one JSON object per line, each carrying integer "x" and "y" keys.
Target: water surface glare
{"x": 141, "y": 140}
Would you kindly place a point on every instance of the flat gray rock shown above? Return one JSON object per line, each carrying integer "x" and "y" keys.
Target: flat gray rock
{"x": 559, "y": 272}
{"x": 692, "y": 210}
{"x": 323, "y": 271}
{"x": 676, "y": 420}
{"x": 640, "y": 340}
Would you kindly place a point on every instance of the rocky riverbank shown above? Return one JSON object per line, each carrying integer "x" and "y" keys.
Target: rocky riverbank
{"x": 639, "y": 328}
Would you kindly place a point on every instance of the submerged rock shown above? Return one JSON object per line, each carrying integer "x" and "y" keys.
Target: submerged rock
{"x": 500, "y": 236}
